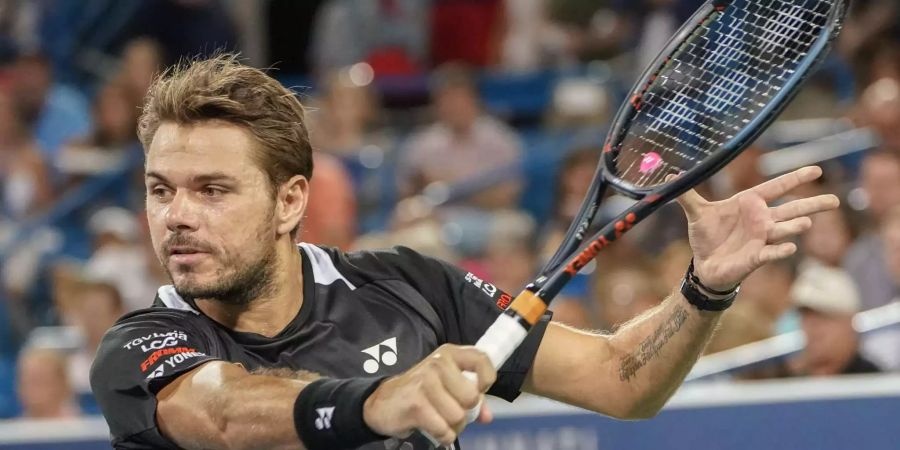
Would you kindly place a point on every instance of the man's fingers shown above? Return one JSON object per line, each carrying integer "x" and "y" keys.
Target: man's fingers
{"x": 783, "y": 230}
{"x": 691, "y": 202}
{"x": 432, "y": 423}
{"x": 448, "y": 407}
{"x": 805, "y": 207}
{"x": 775, "y": 252}
{"x": 485, "y": 415}
{"x": 473, "y": 360}
{"x": 776, "y": 187}
{"x": 463, "y": 388}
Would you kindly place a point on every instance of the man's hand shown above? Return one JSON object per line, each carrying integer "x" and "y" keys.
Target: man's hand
{"x": 732, "y": 238}
{"x": 433, "y": 396}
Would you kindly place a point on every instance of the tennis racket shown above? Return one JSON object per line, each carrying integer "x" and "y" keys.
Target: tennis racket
{"x": 722, "y": 79}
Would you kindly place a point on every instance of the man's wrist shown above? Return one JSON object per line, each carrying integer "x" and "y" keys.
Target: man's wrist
{"x": 328, "y": 413}
{"x": 710, "y": 288}
{"x": 705, "y": 298}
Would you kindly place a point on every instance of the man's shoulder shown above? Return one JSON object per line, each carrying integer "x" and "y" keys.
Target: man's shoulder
{"x": 364, "y": 266}
{"x": 379, "y": 262}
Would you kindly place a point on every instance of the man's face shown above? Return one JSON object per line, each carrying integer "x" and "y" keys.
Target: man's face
{"x": 210, "y": 210}
{"x": 880, "y": 178}
{"x": 830, "y": 342}
{"x": 457, "y": 107}
{"x": 43, "y": 388}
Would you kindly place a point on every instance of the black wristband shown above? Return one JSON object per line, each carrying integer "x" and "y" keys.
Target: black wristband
{"x": 690, "y": 289}
{"x": 696, "y": 280}
{"x": 328, "y": 413}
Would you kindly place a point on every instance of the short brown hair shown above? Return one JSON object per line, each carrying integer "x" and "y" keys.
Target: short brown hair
{"x": 222, "y": 88}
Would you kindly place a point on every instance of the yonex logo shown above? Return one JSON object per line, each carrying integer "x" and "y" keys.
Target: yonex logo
{"x": 157, "y": 373}
{"x": 323, "y": 422}
{"x": 383, "y": 353}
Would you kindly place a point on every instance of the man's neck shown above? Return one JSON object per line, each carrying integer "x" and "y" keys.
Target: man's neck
{"x": 271, "y": 313}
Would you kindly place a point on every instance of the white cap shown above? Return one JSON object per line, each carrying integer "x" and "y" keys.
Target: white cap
{"x": 827, "y": 290}
{"x": 117, "y": 221}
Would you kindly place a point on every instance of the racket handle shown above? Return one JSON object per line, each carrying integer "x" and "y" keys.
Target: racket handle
{"x": 499, "y": 342}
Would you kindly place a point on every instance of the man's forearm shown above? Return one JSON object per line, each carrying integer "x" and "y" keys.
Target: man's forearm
{"x": 260, "y": 412}
{"x": 654, "y": 352}
{"x": 221, "y": 406}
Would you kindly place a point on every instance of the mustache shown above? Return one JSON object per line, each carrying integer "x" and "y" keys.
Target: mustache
{"x": 183, "y": 240}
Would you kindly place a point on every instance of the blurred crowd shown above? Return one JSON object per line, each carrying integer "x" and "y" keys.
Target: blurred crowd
{"x": 466, "y": 129}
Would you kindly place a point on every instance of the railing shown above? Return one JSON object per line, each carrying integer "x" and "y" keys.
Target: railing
{"x": 779, "y": 347}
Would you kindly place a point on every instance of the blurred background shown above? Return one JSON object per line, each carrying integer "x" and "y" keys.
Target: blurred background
{"x": 467, "y": 129}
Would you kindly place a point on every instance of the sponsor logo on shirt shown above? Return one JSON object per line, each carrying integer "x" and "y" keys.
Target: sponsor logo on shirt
{"x": 179, "y": 358}
{"x": 485, "y": 287}
{"x": 157, "y": 373}
{"x": 155, "y": 356}
{"x": 504, "y": 300}
{"x": 156, "y": 341}
{"x": 384, "y": 352}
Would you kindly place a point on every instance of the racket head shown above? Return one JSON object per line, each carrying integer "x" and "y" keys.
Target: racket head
{"x": 721, "y": 80}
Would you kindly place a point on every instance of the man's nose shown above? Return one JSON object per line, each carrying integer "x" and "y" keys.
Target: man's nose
{"x": 182, "y": 214}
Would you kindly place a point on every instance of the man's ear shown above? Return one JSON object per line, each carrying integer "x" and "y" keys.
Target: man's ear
{"x": 290, "y": 204}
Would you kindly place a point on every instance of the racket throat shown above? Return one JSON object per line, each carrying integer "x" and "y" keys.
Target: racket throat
{"x": 527, "y": 308}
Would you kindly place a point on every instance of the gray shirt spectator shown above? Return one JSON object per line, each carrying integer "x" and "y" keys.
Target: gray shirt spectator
{"x": 349, "y": 31}
{"x": 463, "y": 144}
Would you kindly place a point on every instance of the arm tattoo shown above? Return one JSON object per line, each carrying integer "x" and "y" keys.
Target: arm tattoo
{"x": 651, "y": 346}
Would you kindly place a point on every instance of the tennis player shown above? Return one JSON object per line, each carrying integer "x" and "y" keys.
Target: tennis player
{"x": 261, "y": 343}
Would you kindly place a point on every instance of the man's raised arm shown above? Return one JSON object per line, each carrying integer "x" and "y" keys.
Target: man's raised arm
{"x": 632, "y": 373}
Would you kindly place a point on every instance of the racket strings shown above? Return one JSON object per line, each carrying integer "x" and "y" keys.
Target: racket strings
{"x": 715, "y": 84}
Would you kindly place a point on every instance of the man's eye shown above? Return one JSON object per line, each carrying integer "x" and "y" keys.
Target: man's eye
{"x": 212, "y": 191}
{"x": 159, "y": 192}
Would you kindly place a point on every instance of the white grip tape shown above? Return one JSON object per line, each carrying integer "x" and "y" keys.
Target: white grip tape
{"x": 498, "y": 343}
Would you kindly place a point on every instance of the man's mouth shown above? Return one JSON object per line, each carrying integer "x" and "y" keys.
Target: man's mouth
{"x": 186, "y": 254}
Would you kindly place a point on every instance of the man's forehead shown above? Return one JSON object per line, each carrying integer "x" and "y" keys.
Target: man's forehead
{"x": 208, "y": 149}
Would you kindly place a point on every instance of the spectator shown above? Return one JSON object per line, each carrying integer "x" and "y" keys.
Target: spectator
{"x": 655, "y": 21}
{"x": 346, "y": 126}
{"x": 884, "y": 347}
{"x": 870, "y": 21}
{"x": 119, "y": 258}
{"x": 625, "y": 293}
{"x": 828, "y": 239}
{"x": 24, "y": 177}
{"x": 827, "y": 301}
{"x": 57, "y": 113}
{"x": 880, "y": 109}
{"x": 114, "y": 119}
{"x": 331, "y": 212}
{"x": 142, "y": 59}
{"x": 740, "y": 174}
{"x": 562, "y": 32}
{"x": 880, "y": 180}
{"x": 97, "y": 307}
{"x": 345, "y": 121}
{"x": 390, "y": 35}
{"x": 25, "y": 191}
{"x": 464, "y": 144}
{"x": 43, "y": 385}
{"x": 768, "y": 290}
